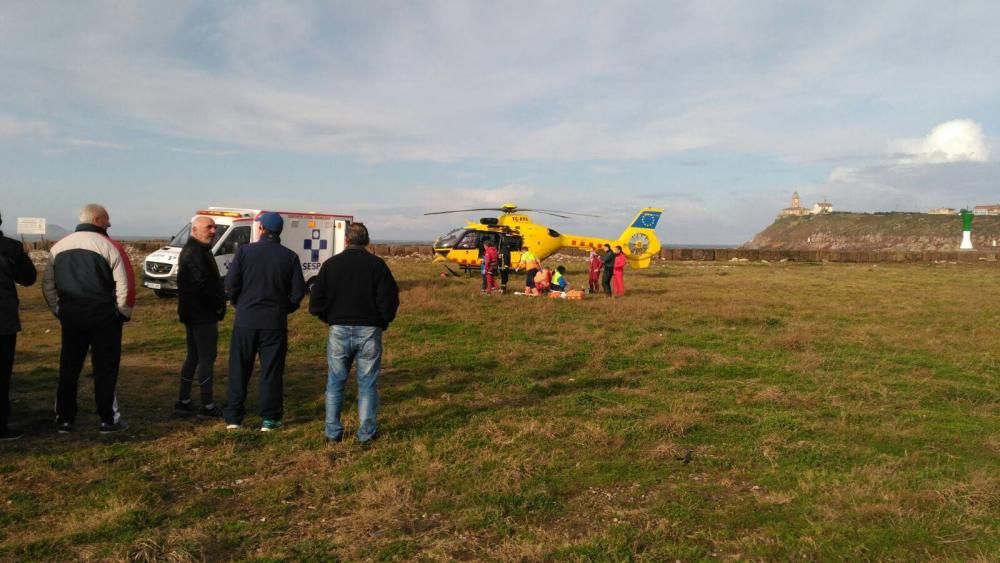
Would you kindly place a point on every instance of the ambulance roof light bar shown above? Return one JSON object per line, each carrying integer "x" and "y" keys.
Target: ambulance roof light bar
{"x": 216, "y": 213}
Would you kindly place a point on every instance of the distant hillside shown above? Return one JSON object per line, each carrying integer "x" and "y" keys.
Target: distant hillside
{"x": 877, "y": 231}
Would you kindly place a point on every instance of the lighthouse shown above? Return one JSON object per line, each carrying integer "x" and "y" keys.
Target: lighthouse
{"x": 966, "y": 230}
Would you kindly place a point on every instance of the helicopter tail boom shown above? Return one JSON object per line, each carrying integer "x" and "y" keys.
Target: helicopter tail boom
{"x": 638, "y": 241}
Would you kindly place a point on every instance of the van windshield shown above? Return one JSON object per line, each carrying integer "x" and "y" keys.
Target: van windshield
{"x": 181, "y": 238}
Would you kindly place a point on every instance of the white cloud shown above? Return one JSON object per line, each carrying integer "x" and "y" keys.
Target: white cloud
{"x": 948, "y": 167}
{"x": 959, "y": 140}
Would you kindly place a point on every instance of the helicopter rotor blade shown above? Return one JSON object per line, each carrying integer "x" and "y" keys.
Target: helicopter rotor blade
{"x": 464, "y": 210}
{"x": 546, "y": 213}
{"x": 514, "y": 209}
{"x": 557, "y": 213}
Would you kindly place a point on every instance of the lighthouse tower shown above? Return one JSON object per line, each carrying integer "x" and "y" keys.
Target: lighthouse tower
{"x": 966, "y": 230}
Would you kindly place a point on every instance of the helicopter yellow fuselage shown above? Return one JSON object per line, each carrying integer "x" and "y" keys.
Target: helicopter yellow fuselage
{"x": 462, "y": 246}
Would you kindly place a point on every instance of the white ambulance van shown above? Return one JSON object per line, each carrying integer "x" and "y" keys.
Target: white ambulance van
{"x": 313, "y": 236}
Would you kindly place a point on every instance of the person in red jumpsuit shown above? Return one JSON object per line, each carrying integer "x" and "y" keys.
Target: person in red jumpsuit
{"x": 491, "y": 263}
{"x": 618, "y": 278}
{"x": 594, "y": 278}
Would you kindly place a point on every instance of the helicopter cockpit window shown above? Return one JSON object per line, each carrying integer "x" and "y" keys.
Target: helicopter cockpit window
{"x": 449, "y": 240}
{"x": 469, "y": 241}
{"x": 553, "y": 233}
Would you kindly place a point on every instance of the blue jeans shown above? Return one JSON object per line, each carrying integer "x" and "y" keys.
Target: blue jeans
{"x": 345, "y": 345}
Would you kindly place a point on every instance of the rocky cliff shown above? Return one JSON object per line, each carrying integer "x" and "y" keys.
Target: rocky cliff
{"x": 876, "y": 231}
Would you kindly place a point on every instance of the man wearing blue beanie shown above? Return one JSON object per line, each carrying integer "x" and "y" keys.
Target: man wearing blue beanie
{"x": 265, "y": 284}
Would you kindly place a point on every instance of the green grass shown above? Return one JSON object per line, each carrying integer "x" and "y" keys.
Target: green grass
{"x": 834, "y": 411}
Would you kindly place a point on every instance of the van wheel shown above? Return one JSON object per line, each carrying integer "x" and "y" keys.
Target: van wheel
{"x": 163, "y": 294}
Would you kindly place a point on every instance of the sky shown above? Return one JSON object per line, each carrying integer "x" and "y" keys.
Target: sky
{"x": 714, "y": 111}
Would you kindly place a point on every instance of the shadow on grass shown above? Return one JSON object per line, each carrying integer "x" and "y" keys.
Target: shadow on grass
{"x": 146, "y": 397}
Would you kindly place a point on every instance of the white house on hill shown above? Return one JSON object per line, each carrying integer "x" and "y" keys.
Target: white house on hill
{"x": 990, "y": 209}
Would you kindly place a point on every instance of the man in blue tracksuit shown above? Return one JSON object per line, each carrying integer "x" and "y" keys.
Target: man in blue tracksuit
{"x": 265, "y": 284}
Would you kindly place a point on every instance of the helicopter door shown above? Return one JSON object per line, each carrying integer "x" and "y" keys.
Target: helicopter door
{"x": 492, "y": 237}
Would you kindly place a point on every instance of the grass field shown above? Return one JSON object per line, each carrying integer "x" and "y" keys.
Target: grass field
{"x": 833, "y": 412}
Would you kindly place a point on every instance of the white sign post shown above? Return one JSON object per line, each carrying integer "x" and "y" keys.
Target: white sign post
{"x": 31, "y": 226}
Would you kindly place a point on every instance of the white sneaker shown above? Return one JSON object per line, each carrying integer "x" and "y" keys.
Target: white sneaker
{"x": 232, "y": 427}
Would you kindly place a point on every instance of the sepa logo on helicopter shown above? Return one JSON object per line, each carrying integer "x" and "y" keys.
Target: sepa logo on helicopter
{"x": 647, "y": 220}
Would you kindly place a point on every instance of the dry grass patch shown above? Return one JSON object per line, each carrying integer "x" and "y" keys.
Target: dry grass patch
{"x": 677, "y": 423}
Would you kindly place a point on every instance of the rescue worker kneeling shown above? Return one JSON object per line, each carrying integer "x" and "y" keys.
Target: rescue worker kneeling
{"x": 559, "y": 282}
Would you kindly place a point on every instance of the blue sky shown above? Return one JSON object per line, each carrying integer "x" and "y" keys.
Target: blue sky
{"x": 715, "y": 111}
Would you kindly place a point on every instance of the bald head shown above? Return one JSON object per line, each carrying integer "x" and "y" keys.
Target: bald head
{"x": 203, "y": 229}
{"x": 95, "y": 214}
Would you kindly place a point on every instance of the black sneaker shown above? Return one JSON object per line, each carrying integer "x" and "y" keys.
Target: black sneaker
{"x": 64, "y": 427}
{"x": 210, "y": 412}
{"x": 369, "y": 442}
{"x": 185, "y": 409}
{"x": 112, "y": 427}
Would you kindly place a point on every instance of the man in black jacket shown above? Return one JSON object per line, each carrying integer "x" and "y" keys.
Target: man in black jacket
{"x": 357, "y": 296}
{"x": 505, "y": 263}
{"x": 201, "y": 304}
{"x": 265, "y": 284}
{"x": 15, "y": 267}
{"x": 607, "y": 269}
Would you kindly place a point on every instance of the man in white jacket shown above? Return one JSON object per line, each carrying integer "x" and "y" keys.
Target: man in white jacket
{"x": 90, "y": 287}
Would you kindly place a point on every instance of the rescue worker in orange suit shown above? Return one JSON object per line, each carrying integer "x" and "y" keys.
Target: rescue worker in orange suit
{"x": 618, "y": 278}
{"x": 594, "y": 279}
{"x": 491, "y": 264}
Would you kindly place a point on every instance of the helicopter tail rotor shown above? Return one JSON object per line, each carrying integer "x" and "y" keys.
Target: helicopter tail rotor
{"x": 639, "y": 240}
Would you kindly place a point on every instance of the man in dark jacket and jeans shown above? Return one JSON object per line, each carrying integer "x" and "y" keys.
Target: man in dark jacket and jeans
{"x": 607, "y": 269}
{"x": 15, "y": 267}
{"x": 201, "y": 304}
{"x": 265, "y": 284}
{"x": 357, "y": 296}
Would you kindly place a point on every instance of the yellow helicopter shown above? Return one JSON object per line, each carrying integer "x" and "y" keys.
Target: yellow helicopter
{"x": 513, "y": 229}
